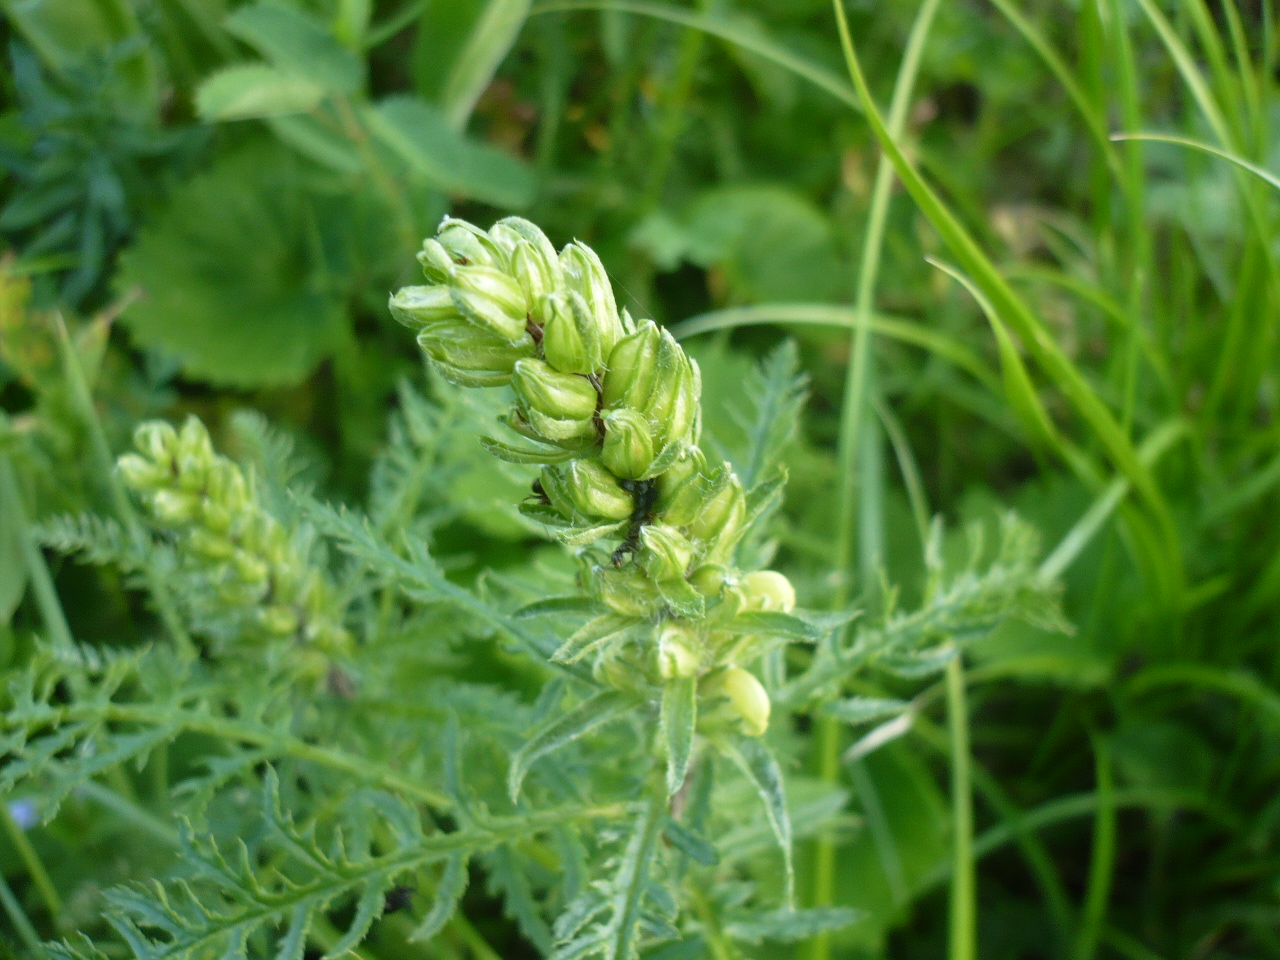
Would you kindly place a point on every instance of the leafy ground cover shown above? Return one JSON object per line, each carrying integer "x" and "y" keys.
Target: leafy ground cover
{"x": 992, "y": 285}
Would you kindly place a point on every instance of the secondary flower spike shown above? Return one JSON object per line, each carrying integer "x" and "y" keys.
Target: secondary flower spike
{"x": 611, "y": 408}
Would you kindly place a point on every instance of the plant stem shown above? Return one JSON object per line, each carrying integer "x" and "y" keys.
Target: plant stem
{"x": 21, "y": 922}
{"x": 962, "y": 922}
{"x": 480, "y": 947}
{"x": 855, "y": 410}
{"x": 55, "y": 620}
{"x": 31, "y": 860}
{"x": 1102, "y": 857}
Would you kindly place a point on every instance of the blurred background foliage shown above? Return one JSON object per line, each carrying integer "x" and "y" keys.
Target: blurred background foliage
{"x": 215, "y": 198}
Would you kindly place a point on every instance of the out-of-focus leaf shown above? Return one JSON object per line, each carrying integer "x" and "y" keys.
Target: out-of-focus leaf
{"x": 231, "y": 280}
{"x": 251, "y": 91}
{"x": 299, "y": 44}
{"x": 421, "y": 136}
{"x": 13, "y": 568}
{"x": 316, "y": 142}
{"x": 772, "y": 244}
{"x": 490, "y": 40}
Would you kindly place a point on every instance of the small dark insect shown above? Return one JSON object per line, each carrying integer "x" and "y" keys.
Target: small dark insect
{"x": 398, "y": 898}
{"x": 540, "y": 493}
{"x": 645, "y": 494}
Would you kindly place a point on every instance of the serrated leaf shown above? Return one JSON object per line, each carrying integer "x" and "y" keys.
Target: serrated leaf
{"x": 553, "y": 605}
{"x": 253, "y": 91}
{"x": 629, "y": 885}
{"x": 452, "y": 885}
{"x": 679, "y": 718}
{"x": 757, "y": 763}
{"x": 297, "y": 43}
{"x": 592, "y": 635}
{"x": 866, "y": 709}
{"x": 688, "y": 842}
{"x": 791, "y": 926}
{"x": 421, "y": 136}
{"x": 232, "y": 318}
{"x": 524, "y": 454}
{"x": 918, "y": 664}
{"x": 564, "y": 729}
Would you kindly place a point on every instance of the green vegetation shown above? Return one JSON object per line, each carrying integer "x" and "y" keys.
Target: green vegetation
{"x": 827, "y": 512}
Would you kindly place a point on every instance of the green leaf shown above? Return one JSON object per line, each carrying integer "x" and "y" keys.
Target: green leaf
{"x": 421, "y": 136}
{"x": 232, "y": 284}
{"x": 13, "y": 566}
{"x": 592, "y": 635}
{"x": 452, "y": 885}
{"x": 693, "y": 844}
{"x": 738, "y": 229}
{"x": 317, "y": 142}
{"x": 758, "y": 765}
{"x": 629, "y": 885}
{"x": 299, "y": 44}
{"x": 564, "y": 729}
{"x": 679, "y": 718}
{"x": 791, "y": 926}
{"x": 252, "y": 91}
{"x": 473, "y": 69}
{"x": 576, "y": 603}
{"x": 866, "y": 709}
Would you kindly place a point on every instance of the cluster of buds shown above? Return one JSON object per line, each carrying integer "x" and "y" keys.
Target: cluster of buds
{"x": 610, "y": 407}
{"x": 238, "y": 552}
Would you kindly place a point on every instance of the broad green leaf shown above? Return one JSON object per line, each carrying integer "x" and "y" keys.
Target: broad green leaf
{"x": 299, "y": 44}
{"x": 317, "y": 142}
{"x": 564, "y": 729}
{"x": 421, "y": 136}
{"x": 679, "y": 719}
{"x": 231, "y": 282}
{"x": 253, "y": 91}
{"x": 737, "y": 229}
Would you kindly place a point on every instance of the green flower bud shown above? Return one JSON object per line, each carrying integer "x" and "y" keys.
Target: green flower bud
{"x": 156, "y": 440}
{"x": 628, "y": 446}
{"x": 437, "y": 265}
{"x": 708, "y": 580}
{"x": 563, "y": 342}
{"x": 536, "y": 278}
{"x": 468, "y": 245}
{"x": 278, "y": 619}
{"x": 667, "y": 552}
{"x": 585, "y": 275}
{"x": 564, "y": 396}
{"x": 139, "y": 473}
{"x": 768, "y": 590}
{"x": 692, "y": 462}
{"x": 555, "y": 430}
{"x": 632, "y": 368}
{"x": 626, "y": 592}
{"x": 687, "y": 501}
{"x": 720, "y": 520}
{"x": 473, "y": 359}
{"x": 173, "y": 507}
{"x": 678, "y": 651}
{"x": 583, "y": 490}
{"x": 492, "y": 300}
{"x": 419, "y": 307}
{"x": 746, "y": 696}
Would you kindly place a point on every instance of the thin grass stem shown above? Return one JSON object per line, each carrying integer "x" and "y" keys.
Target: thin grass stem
{"x": 962, "y": 923}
